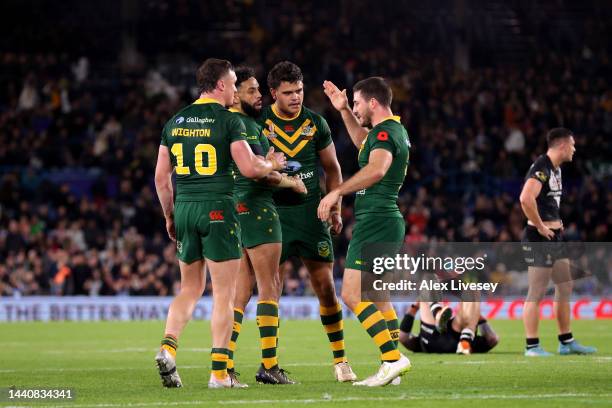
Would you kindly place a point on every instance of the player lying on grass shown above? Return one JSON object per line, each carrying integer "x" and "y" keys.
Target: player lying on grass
{"x": 465, "y": 333}
{"x": 200, "y": 143}
{"x": 261, "y": 237}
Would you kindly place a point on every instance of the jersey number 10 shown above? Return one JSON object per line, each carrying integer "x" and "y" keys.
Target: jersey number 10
{"x": 199, "y": 151}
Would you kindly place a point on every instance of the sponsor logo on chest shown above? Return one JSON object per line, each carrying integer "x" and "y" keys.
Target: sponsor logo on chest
{"x": 554, "y": 183}
{"x": 200, "y": 120}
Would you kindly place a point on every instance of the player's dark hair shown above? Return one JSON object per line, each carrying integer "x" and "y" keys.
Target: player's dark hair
{"x": 284, "y": 71}
{"x": 556, "y": 135}
{"x": 210, "y": 72}
{"x": 375, "y": 87}
{"x": 243, "y": 73}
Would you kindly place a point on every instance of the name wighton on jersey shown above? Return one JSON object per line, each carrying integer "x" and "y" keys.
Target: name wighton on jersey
{"x": 300, "y": 138}
{"x": 381, "y": 198}
{"x": 199, "y": 138}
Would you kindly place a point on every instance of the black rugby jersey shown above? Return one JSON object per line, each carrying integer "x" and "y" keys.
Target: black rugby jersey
{"x": 549, "y": 199}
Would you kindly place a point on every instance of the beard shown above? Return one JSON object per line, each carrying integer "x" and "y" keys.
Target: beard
{"x": 366, "y": 119}
{"x": 249, "y": 109}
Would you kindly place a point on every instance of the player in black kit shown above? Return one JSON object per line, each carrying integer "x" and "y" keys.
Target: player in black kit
{"x": 543, "y": 244}
{"x": 448, "y": 335}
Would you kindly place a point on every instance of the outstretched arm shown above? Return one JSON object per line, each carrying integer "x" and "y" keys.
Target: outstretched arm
{"x": 284, "y": 181}
{"x": 252, "y": 166}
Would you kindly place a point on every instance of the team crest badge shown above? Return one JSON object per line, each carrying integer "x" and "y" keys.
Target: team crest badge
{"x": 179, "y": 246}
{"x": 323, "y": 248}
{"x": 308, "y": 132}
{"x": 541, "y": 176}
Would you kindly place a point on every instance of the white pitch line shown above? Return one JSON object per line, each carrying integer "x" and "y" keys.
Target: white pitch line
{"x": 329, "y": 398}
{"x": 129, "y": 350}
{"x": 586, "y": 360}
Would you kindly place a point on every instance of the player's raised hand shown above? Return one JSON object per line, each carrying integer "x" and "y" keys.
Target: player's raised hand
{"x": 278, "y": 159}
{"x": 326, "y": 205}
{"x": 338, "y": 98}
{"x": 299, "y": 186}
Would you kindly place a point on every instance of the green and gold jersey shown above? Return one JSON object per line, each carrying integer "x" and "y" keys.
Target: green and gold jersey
{"x": 199, "y": 138}
{"x": 300, "y": 138}
{"x": 381, "y": 198}
{"x": 245, "y": 187}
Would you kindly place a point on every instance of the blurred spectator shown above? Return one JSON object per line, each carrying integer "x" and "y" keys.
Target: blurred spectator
{"x": 79, "y": 137}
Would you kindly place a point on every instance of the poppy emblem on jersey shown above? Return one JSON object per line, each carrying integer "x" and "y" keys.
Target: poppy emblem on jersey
{"x": 216, "y": 215}
{"x": 382, "y": 136}
{"x": 289, "y": 128}
{"x": 242, "y": 208}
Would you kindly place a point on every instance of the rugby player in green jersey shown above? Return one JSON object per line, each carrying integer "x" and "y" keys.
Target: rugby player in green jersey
{"x": 261, "y": 236}
{"x": 199, "y": 144}
{"x": 383, "y": 161}
{"x": 305, "y": 138}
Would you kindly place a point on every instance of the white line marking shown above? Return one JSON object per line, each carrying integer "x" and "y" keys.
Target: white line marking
{"x": 329, "y": 398}
{"x": 584, "y": 360}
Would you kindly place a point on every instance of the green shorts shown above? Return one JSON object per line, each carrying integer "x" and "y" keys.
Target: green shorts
{"x": 304, "y": 235}
{"x": 259, "y": 222}
{"x": 383, "y": 231}
{"x": 207, "y": 229}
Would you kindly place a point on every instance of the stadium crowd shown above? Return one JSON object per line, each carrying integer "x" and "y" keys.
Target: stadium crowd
{"x": 78, "y": 145}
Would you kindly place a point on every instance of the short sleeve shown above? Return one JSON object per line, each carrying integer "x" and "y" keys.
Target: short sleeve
{"x": 538, "y": 171}
{"x": 324, "y": 137}
{"x": 235, "y": 128}
{"x": 381, "y": 139}
{"x": 255, "y": 145}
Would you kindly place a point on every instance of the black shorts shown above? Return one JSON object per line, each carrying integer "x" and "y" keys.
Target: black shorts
{"x": 539, "y": 251}
{"x": 481, "y": 345}
{"x": 432, "y": 341}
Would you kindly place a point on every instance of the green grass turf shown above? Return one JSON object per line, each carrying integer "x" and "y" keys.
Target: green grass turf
{"x": 110, "y": 364}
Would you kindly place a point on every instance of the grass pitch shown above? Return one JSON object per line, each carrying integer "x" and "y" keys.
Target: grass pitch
{"x": 110, "y": 364}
